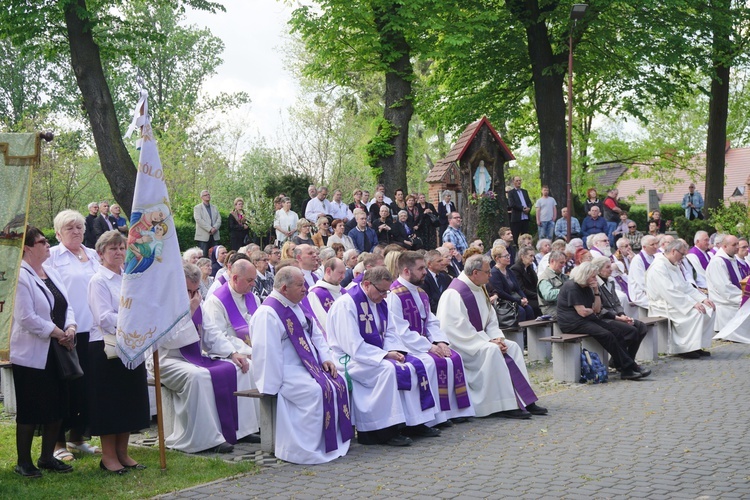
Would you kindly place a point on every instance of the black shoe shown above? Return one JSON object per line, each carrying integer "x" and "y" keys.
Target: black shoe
{"x": 535, "y": 409}
{"x": 421, "y": 431}
{"x": 516, "y": 414}
{"x": 250, "y": 438}
{"x": 460, "y": 420}
{"x": 54, "y": 465}
{"x": 645, "y": 372}
{"x": 223, "y": 448}
{"x": 135, "y": 467}
{"x": 612, "y": 364}
{"x": 704, "y": 354}
{"x": 690, "y": 355}
{"x": 118, "y": 472}
{"x": 445, "y": 425}
{"x": 28, "y": 471}
{"x": 399, "y": 441}
{"x": 630, "y": 375}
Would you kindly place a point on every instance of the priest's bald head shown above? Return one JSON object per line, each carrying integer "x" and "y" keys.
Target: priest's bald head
{"x": 376, "y": 283}
{"x": 675, "y": 251}
{"x": 290, "y": 282}
{"x": 729, "y": 244}
{"x": 477, "y": 269}
{"x": 307, "y": 256}
{"x": 242, "y": 279}
{"x": 334, "y": 271}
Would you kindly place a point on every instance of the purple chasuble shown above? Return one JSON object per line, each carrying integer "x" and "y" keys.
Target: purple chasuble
{"x": 701, "y": 256}
{"x": 732, "y": 275}
{"x": 307, "y": 354}
{"x": 419, "y": 325}
{"x": 524, "y": 393}
{"x": 223, "y": 380}
{"x": 374, "y": 334}
{"x": 237, "y": 320}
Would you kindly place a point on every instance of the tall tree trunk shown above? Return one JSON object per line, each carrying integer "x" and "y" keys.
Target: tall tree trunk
{"x": 399, "y": 107}
{"x": 718, "y": 106}
{"x": 116, "y": 163}
{"x": 548, "y": 94}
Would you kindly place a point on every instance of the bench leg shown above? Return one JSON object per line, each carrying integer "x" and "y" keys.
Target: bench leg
{"x": 268, "y": 424}
{"x": 516, "y": 336}
{"x": 662, "y": 336}
{"x": 649, "y": 348}
{"x": 566, "y": 361}
{"x": 167, "y": 410}
{"x": 9, "y": 391}
{"x": 538, "y": 351}
{"x": 594, "y": 346}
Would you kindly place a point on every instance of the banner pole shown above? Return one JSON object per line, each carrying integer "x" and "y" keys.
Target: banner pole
{"x": 159, "y": 412}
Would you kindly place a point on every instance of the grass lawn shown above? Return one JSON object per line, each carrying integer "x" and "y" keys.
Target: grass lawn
{"x": 88, "y": 481}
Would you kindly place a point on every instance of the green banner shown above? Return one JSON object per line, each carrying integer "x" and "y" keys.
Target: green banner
{"x": 18, "y": 152}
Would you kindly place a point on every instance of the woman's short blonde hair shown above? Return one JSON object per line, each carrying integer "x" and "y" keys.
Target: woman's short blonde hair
{"x": 66, "y": 217}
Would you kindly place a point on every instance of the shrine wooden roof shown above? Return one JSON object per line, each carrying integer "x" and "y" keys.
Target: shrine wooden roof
{"x": 461, "y": 145}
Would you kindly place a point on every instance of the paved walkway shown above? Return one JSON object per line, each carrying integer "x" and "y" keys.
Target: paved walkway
{"x": 682, "y": 433}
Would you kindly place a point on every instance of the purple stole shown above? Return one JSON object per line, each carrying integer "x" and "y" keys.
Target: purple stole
{"x": 701, "y": 257}
{"x": 223, "y": 278}
{"x": 744, "y": 268}
{"x": 732, "y": 275}
{"x": 224, "y": 294}
{"x": 375, "y": 335}
{"x": 623, "y": 285}
{"x": 306, "y": 352}
{"x": 646, "y": 263}
{"x": 325, "y": 297}
{"x": 412, "y": 315}
{"x": 223, "y": 380}
{"x": 524, "y": 393}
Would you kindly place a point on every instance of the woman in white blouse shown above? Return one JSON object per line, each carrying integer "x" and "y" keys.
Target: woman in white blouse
{"x": 76, "y": 264}
{"x": 339, "y": 236}
{"x": 118, "y": 396}
{"x": 42, "y": 314}
{"x": 285, "y": 222}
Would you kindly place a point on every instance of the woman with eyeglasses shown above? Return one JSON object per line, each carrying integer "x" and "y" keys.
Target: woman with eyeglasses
{"x": 303, "y": 233}
{"x": 320, "y": 239}
{"x": 42, "y": 314}
{"x": 503, "y": 282}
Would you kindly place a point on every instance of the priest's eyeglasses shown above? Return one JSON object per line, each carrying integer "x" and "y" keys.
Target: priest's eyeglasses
{"x": 381, "y": 292}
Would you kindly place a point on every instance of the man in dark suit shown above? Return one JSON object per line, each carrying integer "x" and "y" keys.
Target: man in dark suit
{"x": 444, "y": 209}
{"x": 436, "y": 281}
{"x": 89, "y": 239}
{"x": 453, "y": 260}
{"x": 520, "y": 205}
{"x": 103, "y": 222}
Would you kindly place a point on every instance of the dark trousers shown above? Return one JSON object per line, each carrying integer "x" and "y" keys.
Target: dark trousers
{"x": 518, "y": 228}
{"x": 205, "y": 245}
{"x": 619, "y": 339}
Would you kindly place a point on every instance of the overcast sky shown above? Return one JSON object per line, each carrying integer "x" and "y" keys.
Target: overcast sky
{"x": 252, "y": 32}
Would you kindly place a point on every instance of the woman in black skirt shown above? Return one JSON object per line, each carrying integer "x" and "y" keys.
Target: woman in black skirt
{"x": 41, "y": 315}
{"x": 119, "y": 397}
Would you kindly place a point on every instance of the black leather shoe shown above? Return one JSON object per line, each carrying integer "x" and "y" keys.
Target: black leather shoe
{"x": 645, "y": 372}
{"x": 223, "y": 448}
{"x": 118, "y": 472}
{"x": 420, "y": 431}
{"x": 535, "y": 409}
{"x": 704, "y": 354}
{"x": 54, "y": 465}
{"x": 28, "y": 471}
{"x": 250, "y": 438}
{"x": 460, "y": 420}
{"x": 399, "y": 441}
{"x": 445, "y": 425}
{"x": 630, "y": 375}
{"x": 135, "y": 467}
{"x": 690, "y": 355}
{"x": 516, "y": 414}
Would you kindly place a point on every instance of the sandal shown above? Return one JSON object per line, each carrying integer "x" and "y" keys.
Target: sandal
{"x": 63, "y": 455}
{"x": 85, "y": 448}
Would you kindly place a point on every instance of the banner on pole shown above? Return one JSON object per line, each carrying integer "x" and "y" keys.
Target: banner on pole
{"x": 18, "y": 153}
{"x": 154, "y": 305}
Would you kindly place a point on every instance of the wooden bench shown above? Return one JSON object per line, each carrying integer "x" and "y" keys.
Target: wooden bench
{"x": 655, "y": 340}
{"x": 7, "y": 387}
{"x": 267, "y": 417}
{"x": 566, "y": 354}
{"x": 535, "y": 330}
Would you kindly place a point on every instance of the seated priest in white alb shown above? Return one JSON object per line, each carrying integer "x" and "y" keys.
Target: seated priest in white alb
{"x": 390, "y": 388}
{"x": 220, "y": 280}
{"x": 420, "y": 333}
{"x": 307, "y": 259}
{"x": 291, "y": 359}
{"x": 495, "y": 369}
{"x": 230, "y": 308}
{"x": 699, "y": 257}
{"x": 368, "y": 261}
{"x": 325, "y": 291}
{"x": 690, "y": 313}
{"x": 638, "y": 267}
{"x": 723, "y": 279}
{"x": 738, "y": 328}
{"x": 204, "y": 370}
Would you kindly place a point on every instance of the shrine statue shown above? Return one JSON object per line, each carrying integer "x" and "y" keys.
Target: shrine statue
{"x": 482, "y": 179}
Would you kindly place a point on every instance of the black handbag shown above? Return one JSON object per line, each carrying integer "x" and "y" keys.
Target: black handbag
{"x": 68, "y": 365}
{"x": 434, "y": 220}
{"x": 507, "y": 313}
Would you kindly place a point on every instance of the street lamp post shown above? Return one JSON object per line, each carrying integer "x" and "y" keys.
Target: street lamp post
{"x": 576, "y": 13}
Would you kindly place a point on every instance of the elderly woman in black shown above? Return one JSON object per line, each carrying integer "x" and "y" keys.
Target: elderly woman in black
{"x": 41, "y": 315}
{"x": 119, "y": 397}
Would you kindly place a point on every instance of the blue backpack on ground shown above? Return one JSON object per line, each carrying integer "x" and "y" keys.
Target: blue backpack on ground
{"x": 592, "y": 368}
